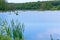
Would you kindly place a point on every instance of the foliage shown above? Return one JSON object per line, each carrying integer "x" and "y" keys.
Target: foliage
{"x": 15, "y": 31}
{"x": 49, "y": 5}
{"x": 44, "y": 5}
{"x": 3, "y": 5}
{"x": 4, "y": 37}
{"x": 55, "y": 8}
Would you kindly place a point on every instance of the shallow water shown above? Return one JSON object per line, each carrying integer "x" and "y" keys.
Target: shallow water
{"x": 38, "y": 24}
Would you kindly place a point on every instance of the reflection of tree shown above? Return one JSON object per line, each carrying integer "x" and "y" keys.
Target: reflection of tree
{"x": 57, "y": 39}
{"x": 51, "y": 37}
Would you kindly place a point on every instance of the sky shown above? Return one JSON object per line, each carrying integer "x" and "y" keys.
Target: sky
{"x": 23, "y": 1}
{"x": 38, "y": 24}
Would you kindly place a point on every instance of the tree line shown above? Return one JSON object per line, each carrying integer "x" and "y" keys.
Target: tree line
{"x": 39, "y": 5}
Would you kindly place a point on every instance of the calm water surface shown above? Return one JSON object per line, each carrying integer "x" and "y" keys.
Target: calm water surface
{"x": 38, "y": 24}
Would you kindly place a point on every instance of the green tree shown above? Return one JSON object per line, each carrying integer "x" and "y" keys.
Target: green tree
{"x": 3, "y": 5}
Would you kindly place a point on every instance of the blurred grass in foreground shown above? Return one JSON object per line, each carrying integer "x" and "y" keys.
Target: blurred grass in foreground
{"x": 13, "y": 31}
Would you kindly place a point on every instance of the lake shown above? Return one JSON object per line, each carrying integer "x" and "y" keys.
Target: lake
{"x": 38, "y": 24}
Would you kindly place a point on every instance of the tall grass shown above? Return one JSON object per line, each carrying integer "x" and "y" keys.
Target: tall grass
{"x": 13, "y": 31}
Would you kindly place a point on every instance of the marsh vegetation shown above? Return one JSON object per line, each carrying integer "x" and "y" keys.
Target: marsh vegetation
{"x": 11, "y": 31}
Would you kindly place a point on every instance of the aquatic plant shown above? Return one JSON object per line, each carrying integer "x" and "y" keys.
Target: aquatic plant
{"x": 11, "y": 32}
{"x": 17, "y": 30}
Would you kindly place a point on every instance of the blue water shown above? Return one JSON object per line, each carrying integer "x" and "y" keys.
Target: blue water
{"x": 38, "y": 24}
